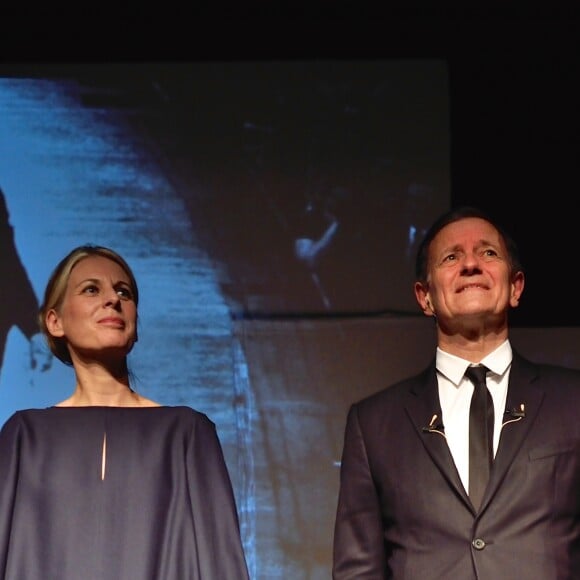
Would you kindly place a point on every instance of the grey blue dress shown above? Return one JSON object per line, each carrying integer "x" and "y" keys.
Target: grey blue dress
{"x": 116, "y": 493}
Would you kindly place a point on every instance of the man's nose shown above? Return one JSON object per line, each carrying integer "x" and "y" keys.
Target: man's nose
{"x": 471, "y": 263}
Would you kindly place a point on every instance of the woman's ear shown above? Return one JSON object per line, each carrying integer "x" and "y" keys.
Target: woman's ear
{"x": 53, "y": 323}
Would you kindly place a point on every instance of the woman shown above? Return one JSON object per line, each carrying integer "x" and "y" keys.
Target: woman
{"x": 109, "y": 484}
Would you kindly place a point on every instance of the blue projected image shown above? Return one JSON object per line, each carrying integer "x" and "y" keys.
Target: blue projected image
{"x": 70, "y": 176}
{"x": 267, "y": 211}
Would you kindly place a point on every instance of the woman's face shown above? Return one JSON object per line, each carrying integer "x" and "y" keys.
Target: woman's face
{"x": 98, "y": 316}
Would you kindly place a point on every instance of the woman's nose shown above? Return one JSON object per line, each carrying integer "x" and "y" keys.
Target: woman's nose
{"x": 112, "y": 298}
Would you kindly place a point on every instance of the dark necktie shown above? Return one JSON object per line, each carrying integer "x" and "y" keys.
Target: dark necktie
{"x": 480, "y": 434}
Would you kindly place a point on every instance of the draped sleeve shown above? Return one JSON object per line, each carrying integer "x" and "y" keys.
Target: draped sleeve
{"x": 213, "y": 506}
{"x": 10, "y": 438}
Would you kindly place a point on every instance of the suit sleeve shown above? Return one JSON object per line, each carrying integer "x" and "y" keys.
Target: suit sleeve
{"x": 217, "y": 532}
{"x": 359, "y": 550}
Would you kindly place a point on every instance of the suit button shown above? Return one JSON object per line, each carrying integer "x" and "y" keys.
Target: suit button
{"x": 478, "y": 544}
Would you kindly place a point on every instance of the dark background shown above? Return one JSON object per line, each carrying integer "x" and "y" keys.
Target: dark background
{"x": 513, "y": 99}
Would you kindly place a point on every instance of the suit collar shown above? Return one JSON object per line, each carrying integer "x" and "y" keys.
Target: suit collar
{"x": 454, "y": 367}
{"x": 423, "y": 404}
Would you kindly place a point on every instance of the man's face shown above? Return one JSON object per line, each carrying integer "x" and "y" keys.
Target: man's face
{"x": 469, "y": 274}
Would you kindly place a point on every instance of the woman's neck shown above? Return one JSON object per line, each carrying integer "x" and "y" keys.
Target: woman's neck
{"x": 97, "y": 386}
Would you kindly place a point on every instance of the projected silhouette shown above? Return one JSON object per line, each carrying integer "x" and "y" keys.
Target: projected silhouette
{"x": 18, "y": 301}
{"x": 310, "y": 250}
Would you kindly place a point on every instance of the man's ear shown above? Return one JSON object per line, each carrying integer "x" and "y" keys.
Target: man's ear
{"x": 422, "y": 297}
{"x": 516, "y": 289}
{"x": 53, "y": 323}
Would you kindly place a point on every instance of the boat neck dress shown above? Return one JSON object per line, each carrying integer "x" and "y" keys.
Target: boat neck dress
{"x": 116, "y": 493}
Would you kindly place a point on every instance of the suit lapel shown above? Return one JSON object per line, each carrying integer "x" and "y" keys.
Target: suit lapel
{"x": 513, "y": 433}
{"x": 422, "y": 406}
{"x": 424, "y": 403}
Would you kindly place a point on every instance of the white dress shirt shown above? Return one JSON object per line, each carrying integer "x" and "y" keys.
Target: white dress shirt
{"x": 455, "y": 392}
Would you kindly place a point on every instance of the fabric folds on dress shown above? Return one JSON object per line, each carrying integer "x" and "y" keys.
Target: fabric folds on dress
{"x": 160, "y": 506}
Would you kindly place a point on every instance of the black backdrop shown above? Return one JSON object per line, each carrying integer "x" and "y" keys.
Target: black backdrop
{"x": 514, "y": 126}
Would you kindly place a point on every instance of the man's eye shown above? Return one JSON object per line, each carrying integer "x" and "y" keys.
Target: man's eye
{"x": 449, "y": 258}
{"x": 490, "y": 252}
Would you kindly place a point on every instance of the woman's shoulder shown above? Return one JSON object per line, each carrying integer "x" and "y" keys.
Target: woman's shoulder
{"x": 183, "y": 414}
{"x": 188, "y": 413}
{"x": 13, "y": 424}
{"x": 61, "y": 413}
{"x": 26, "y": 414}
{"x": 59, "y": 422}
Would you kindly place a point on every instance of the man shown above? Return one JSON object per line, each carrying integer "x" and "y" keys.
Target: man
{"x": 407, "y": 508}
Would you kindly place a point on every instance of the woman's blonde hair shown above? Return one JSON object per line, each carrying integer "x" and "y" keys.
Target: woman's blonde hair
{"x": 56, "y": 289}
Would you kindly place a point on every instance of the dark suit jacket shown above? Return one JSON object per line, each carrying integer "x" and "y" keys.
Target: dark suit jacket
{"x": 403, "y": 512}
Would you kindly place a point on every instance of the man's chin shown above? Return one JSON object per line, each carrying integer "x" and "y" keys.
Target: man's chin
{"x": 478, "y": 315}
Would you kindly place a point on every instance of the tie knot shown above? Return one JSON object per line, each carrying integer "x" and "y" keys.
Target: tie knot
{"x": 477, "y": 374}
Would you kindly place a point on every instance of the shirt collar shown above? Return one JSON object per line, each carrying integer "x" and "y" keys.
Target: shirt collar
{"x": 454, "y": 367}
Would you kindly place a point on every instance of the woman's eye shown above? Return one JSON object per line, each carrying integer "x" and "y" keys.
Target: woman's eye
{"x": 125, "y": 293}
{"x": 91, "y": 289}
